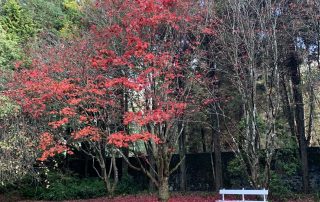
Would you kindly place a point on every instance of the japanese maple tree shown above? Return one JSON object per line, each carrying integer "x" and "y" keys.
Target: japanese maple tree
{"x": 141, "y": 59}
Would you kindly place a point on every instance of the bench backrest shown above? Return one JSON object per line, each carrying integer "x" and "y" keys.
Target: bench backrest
{"x": 243, "y": 191}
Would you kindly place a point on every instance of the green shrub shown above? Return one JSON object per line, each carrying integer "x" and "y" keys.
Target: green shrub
{"x": 237, "y": 172}
{"x": 286, "y": 165}
{"x": 127, "y": 185}
{"x": 59, "y": 186}
{"x": 278, "y": 187}
{"x": 61, "y": 17}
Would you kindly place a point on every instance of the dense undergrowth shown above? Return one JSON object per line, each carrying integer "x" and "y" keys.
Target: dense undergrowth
{"x": 66, "y": 186}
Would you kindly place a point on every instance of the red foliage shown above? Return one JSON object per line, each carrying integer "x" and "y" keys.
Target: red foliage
{"x": 120, "y": 139}
{"x": 50, "y": 147}
{"x": 87, "y": 131}
{"x": 59, "y": 123}
{"x": 167, "y": 112}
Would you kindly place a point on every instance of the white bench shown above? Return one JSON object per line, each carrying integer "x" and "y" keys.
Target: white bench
{"x": 243, "y": 192}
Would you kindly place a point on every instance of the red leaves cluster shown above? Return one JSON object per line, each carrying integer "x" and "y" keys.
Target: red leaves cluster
{"x": 67, "y": 111}
{"x": 45, "y": 140}
{"x": 208, "y": 31}
{"x": 124, "y": 82}
{"x": 49, "y": 147}
{"x": 120, "y": 139}
{"x": 167, "y": 112}
{"x": 88, "y": 131}
{"x": 59, "y": 123}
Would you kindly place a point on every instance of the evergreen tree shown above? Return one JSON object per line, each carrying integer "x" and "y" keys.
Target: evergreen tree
{"x": 9, "y": 49}
{"x": 15, "y": 20}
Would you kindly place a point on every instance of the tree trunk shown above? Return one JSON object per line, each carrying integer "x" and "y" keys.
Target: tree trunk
{"x": 115, "y": 174}
{"x": 215, "y": 124}
{"x": 217, "y": 161}
{"x": 86, "y": 162}
{"x": 287, "y": 107}
{"x": 304, "y": 164}
{"x": 203, "y": 136}
{"x": 107, "y": 186}
{"x": 182, "y": 154}
{"x": 125, "y": 108}
{"x": 125, "y": 166}
{"x": 152, "y": 161}
{"x": 216, "y": 149}
{"x": 293, "y": 64}
{"x": 105, "y": 178}
{"x": 302, "y": 138}
{"x": 164, "y": 193}
{"x": 105, "y": 171}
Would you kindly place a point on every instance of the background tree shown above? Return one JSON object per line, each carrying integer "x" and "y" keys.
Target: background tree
{"x": 249, "y": 54}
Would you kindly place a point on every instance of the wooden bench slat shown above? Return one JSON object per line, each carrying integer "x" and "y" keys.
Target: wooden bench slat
{"x": 245, "y": 192}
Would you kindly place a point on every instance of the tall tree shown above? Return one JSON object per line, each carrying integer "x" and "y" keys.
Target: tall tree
{"x": 247, "y": 37}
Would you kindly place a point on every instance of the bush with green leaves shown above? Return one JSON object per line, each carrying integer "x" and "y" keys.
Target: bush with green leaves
{"x": 237, "y": 172}
{"x": 286, "y": 165}
{"x": 47, "y": 13}
{"x": 56, "y": 185}
{"x": 278, "y": 187}
{"x": 128, "y": 185}
{"x": 59, "y": 16}
{"x": 59, "y": 186}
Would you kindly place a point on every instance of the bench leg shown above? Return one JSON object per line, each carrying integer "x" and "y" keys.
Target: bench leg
{"x": 242, "y": 195}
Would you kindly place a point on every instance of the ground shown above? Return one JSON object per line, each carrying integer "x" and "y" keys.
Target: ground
{"x": 191, "y": 197}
